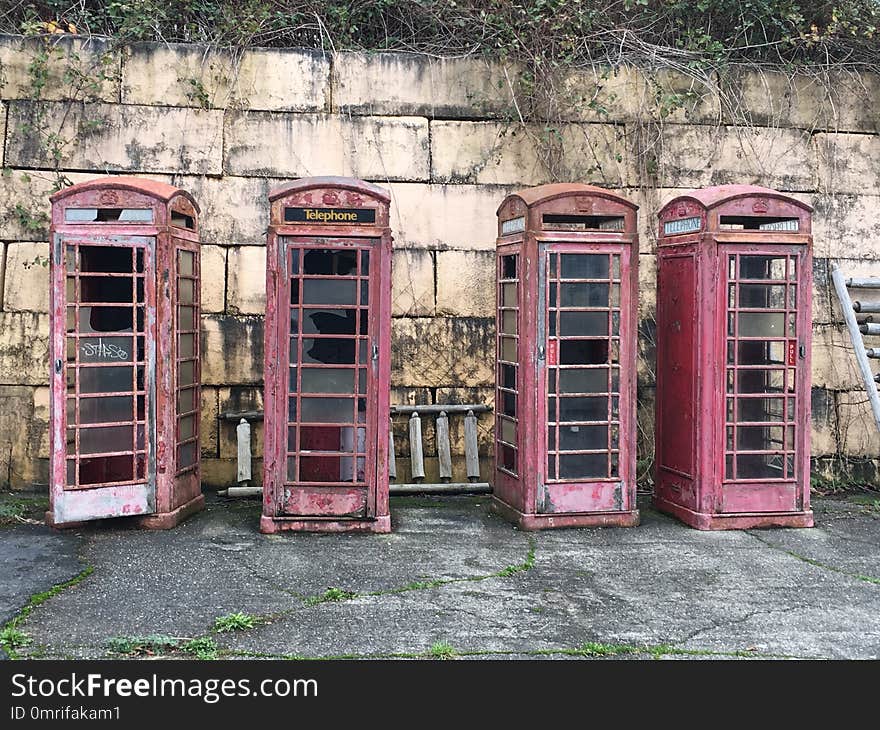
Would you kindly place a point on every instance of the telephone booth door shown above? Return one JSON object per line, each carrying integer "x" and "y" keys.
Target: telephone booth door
{"x": 328, "y": 379}
{"x": 579, "y": 375}
{"x": 766, "y": 421}
{"x": 124, "y": 354}
{"x": 109, "y": 370}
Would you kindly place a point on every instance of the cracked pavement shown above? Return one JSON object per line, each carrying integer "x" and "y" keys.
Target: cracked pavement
{"x": 782, "y": 593}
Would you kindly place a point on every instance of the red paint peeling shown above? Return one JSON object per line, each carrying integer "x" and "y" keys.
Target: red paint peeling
{"x": 320, "y": 462}
{"x": 555, "y": 242}
{"x": 153, "y": 225}
{"x": 734, "y": 297}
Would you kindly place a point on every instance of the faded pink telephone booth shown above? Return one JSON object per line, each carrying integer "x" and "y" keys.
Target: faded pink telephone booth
{"x": 124, "y": 348}
{"x": 327, "y": 357}
{"x": 734, "y": 291}
{"x": 565, "y": 437}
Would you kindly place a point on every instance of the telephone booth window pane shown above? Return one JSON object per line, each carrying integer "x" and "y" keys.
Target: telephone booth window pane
{"x": 330, "y": 262}
{"x": 186, "y": 318}
{"x": 186, "y": 291}
{"x": 186, "y": 346}
{"x": 106, "y": 440}
{"x": 583, "y": 438}
{"x": 583, "y": 466}
{"x": 106, "y": 259}
{"x": 583, "y": 294}
{"x": 186, "y": 263}
{"x": 327, "y": 380}
{"x": 107, "y": 409}
{"x": 329, "y": 291}
{"x": 573, "y": 324}
{"x": 584, "y": 266}
{"x": 582, "y": 380}
{"x": 762, "y": 267}
{"x": 105, "y": 289}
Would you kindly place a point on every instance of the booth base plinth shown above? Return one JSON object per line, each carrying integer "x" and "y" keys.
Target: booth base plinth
{"x": 270, "y": 525}
{"x": 536, "y": 521}
{"x": 733, "y": 521}
{"x": 167, "y": 520}
{"x": 155, "y": 521}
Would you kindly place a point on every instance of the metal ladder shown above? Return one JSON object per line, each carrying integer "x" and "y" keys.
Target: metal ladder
{"x": 857, "y": 330}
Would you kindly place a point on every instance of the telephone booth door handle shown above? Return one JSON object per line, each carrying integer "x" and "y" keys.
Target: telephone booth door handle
{"x": 58, "y": 365}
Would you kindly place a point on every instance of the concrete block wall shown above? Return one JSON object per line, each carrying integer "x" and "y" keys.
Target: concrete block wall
{"x": 444, "y": 137}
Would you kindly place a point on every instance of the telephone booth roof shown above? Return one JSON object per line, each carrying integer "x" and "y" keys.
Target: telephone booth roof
{"x": 542, "y": 193}
{"x": 151, "y": 188}
{"x": 330, "y": 181}
{"x": 715, "y": 196}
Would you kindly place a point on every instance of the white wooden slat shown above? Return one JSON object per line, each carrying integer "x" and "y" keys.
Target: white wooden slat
{"x": 392, "y": 456}
{"x": 417, "y": 460}
{"x": 444, "y": 451}
{"x": 471, "y": 456}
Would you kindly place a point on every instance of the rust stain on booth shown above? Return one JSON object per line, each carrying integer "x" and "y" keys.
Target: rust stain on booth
{"x": 734, "y": 292}
{"x": 327, "y": 357}
{"x": 124, "y": 353}
{"x": 567, "y": 283}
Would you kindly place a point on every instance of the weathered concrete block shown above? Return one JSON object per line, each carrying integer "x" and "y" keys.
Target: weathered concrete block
{"x": 847, "y": 226}
{"x": 24, "y": 348}
{"x": 443, "y": 351}
{"x": 848, "y": 163}
{"x": 235, "y": 210}
{"x": 698, "y": 156}
{"x": 856, "y": 425}
{"x": 628, "y": 94}
{"x": 246, "y": 280}
{"x": 76, "y": 67}
{"x": 466, "y": 283}
{"x": 26, "y": 277}
{"x": 208, "y": 424}
{"x": 496, "y": 153}
{"x": 823, "y": 411}
{"x": 178, "y": 74}
{"x": 409, "y": 396}
{"x": 833, "y": 361}
{"x": 232, "y": 350}
{"x": 412, "y": 283}
{"x": 401, "y": 84}
{"x": 647, "y": 292}
{"x": 115, "y": 137}
{"x": 21, "y": 436}
{"x": 24, "y": 215}
{"x": 376, "y": 148}
{"x": 446, "y": 216}
{"x": 240, "y": 399}
{"x": 835, "y": 100}
{"x": 213, "y": 285}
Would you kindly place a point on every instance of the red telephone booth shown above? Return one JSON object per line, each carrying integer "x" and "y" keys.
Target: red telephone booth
{"x": 734, "y": 291}
{"x": 565, "y": 438}
{"x": 327, "y": 357}
{"x": 124, "y": 423}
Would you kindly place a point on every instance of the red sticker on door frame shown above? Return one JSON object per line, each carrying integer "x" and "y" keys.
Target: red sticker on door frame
{"x": 792, "y": 352}
{"x": 552, "y": 352}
